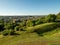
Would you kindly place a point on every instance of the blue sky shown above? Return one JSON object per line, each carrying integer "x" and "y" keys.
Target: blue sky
{"x": 29, "y": 7}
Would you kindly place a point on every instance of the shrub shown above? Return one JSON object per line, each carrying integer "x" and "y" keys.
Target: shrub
{"x": 8, "y": 32}
{"x": 17, "y": 28}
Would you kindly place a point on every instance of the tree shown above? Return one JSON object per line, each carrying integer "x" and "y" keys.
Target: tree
{"x": 39, "y": 21}
{"x": 58, "y": 15}
{"x": 29, "y": 23}
{"x": 1, "y": 27}
{"x": 22, "y": 24}
{"x": 17, "y": 28}
{"x": 50, "y": 18}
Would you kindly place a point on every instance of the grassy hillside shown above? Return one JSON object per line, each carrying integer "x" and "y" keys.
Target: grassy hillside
{"x": 43, "y": 27}
{"x": 31, "y": 37}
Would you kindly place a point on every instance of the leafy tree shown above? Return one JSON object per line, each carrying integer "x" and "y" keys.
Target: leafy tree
{"x": 1, "y": 27}
{"x": 58, "y": 15}
{"x": 29, "y": 23}
{"x": 50, "y": 18}
{"x": 10, "y": 26}
{"x": 22, "y": 24}
{"x": 39, "y": 21}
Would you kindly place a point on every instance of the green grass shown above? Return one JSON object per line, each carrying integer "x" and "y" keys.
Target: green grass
{"x": 43, "y": 27}
{"x": 26, "y": 38}
{"x": 10, "y": 40}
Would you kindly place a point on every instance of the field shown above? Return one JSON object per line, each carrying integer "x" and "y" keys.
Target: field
{"x": 29, "y": 38}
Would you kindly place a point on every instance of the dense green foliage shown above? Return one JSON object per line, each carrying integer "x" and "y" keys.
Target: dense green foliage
{"x": 8, "y": 32}
{"x": 13, "y": 25}
{"x": 50, "y": 18}
{"x": 58, "y": 15}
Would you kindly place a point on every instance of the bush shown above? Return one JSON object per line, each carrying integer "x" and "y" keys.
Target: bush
{"x": 17, "y": 28}
{"x": 1, "y": 27}
{"x": 8, "y": 32}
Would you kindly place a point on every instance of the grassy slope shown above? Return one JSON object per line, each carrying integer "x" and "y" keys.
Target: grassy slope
{"x": 50, "y": 37}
